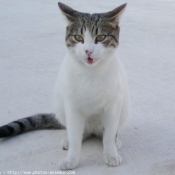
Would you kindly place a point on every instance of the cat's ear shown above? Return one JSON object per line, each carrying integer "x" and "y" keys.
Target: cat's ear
{"x": 68, "y": 12}
{"x": 114, "y": 15}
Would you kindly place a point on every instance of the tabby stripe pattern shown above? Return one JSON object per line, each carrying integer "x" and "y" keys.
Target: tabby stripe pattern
{"x": 36, "y": 122}
{"x": 97, "y": 23}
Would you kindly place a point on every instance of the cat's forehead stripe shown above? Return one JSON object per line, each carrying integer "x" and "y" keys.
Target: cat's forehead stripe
{"x": 88, "y": 20}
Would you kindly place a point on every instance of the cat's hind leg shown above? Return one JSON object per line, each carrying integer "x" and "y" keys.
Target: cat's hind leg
{"x": 65, "y": 144}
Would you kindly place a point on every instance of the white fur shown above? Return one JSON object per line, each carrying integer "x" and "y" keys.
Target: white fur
{"x": 90, "y": 97}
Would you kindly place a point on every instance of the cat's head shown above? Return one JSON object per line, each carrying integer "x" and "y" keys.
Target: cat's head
{"x": 91, "y": 38}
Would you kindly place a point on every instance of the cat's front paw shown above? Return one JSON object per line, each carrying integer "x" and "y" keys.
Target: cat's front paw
{"x": 65, "y": 164}
{"x": 112, "y": 160}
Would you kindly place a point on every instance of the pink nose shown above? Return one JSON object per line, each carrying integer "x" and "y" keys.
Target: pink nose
{"x": 88, "y": 52}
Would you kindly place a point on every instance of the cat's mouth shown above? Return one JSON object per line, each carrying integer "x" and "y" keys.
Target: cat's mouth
{"x": 90, "y": 60}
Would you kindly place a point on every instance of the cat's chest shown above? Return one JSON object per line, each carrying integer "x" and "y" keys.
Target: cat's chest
{"x": 92, "y": 90}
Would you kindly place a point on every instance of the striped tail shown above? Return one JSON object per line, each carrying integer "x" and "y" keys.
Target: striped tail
{"x": 35, "y": 122}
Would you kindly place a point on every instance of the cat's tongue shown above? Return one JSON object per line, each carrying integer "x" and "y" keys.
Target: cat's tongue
{"x": 90, "y": 60}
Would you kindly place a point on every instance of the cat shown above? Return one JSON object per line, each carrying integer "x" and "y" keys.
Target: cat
{"x": 91, "y": 92}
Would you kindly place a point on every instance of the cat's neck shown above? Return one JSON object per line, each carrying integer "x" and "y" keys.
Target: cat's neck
{"x": 106, "y": 69}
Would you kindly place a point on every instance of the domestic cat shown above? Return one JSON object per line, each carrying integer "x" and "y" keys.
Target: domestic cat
{"x": 91, "y": 93}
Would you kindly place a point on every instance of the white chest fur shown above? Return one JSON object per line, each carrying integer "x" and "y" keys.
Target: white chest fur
{"x": 92, "y": 88}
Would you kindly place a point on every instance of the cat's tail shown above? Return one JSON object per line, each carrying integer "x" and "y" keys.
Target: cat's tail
{"x": 35, "y": 122}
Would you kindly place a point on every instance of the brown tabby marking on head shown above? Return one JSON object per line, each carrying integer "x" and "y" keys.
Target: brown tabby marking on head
{"x": 97, "y": 23}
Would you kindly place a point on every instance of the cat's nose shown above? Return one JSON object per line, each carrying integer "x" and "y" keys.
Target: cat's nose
{"x": 88, "y": 52}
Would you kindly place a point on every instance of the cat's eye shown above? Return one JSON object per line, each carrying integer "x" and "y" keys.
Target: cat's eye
{"x": 78, "y": 38}
{"x": 100, "y": 38}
